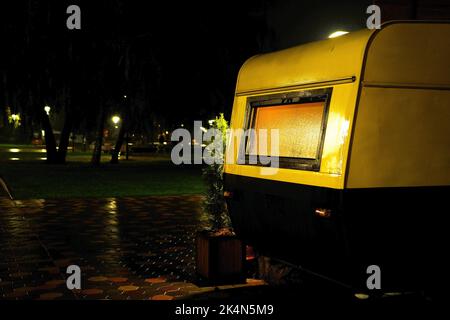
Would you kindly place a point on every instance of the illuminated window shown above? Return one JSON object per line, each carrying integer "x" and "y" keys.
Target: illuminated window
{"x": 300, "y": 121}
{"x": 299, "y": 128}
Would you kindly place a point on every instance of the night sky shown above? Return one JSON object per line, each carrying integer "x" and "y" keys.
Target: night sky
{"x": 178, "y": 60}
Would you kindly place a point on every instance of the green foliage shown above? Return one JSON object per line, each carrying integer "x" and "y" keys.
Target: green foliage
{"x": 214, "y": 204}
{"x": 13, "y": 119}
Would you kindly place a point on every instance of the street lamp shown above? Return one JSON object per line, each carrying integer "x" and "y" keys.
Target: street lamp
{"x": 47, "y": 110}
{"x": 115, "y": 120}
{"x": 14, "y": 117}
{"x": 337, "y": 34}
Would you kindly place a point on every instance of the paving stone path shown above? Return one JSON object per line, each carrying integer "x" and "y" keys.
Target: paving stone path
{"x": 127, "y": 248}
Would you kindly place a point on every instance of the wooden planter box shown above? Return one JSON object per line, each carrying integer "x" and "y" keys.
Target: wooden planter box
{"x": 220, "y": 259}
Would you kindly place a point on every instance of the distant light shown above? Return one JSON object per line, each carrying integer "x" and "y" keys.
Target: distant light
{"x": 47, "y": 110}
{"x": 167, "y": 132}
{"x": 43, "y": 150}
{"x": 43, "y": 133}
{"x": 14, "y": 159}
{"x": 337, "y": 34}
{"x": 164, "y": 143}
{"x": 361, "y": 296}
{"x": 115, "y": 119}
{"x": 14, "y": 150}
{"x": 124, "y": 96}
{"x": 322, "y": 213}
{"x": 182, "y": 125}
{"x": 203, "y": 129}
{"x": 42, "y": 158}
{"x": 14, "y": 117}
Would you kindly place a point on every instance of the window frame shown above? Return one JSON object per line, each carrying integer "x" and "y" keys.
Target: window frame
{"x": 281, "y": 99}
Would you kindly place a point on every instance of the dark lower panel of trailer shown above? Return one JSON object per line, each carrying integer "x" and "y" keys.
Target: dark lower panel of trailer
{"x": 402, "y": 230}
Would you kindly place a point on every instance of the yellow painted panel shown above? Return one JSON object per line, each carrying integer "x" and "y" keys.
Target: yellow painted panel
{"x": 410, "y": 53}
{"x": 287, "y": 175}
{"x": 401, "y": 138}
{"x": 339, "y": 126}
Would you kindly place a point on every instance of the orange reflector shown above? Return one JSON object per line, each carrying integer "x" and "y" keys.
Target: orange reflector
{"x": 228, "y": 194}
{"x": 322, "y": 213}
{"x": 249, "y": 253}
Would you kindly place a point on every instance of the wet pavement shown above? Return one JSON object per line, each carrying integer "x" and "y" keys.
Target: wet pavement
{"x": 127, "y": 248}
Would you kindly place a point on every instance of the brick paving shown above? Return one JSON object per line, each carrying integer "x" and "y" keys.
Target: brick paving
{"x": 127, "y": 248}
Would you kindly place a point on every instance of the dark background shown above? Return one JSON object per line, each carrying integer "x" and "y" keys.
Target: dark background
{"x": 176, "y": 61}
{"x": 179, "y": 59}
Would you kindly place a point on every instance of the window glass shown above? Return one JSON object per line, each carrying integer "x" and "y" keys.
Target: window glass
{"x": 299, "y": 127}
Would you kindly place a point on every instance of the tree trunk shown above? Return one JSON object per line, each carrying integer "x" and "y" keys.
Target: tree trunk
{"x": 50, "y": 143}
{"x": 97, "y": 154}
{"x": 119, "y": 143}
{"x": 64, "y": 139}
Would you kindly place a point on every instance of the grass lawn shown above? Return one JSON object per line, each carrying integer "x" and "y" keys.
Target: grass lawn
{"x": 78, "y": 179}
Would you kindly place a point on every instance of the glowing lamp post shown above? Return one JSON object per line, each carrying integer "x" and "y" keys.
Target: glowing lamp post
{"x": 47, "y": 110}
{"x": 115, "y": 120}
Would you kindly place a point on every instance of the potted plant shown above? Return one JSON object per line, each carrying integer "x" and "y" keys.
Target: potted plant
{"x": 220, "y": 254}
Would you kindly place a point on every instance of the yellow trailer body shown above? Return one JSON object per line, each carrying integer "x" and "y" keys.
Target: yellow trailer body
{"x": 364, "y": 135}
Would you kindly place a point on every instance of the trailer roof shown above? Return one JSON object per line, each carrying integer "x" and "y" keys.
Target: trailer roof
{"x": 344, "y": 57}
{"x": 315, "y": 62}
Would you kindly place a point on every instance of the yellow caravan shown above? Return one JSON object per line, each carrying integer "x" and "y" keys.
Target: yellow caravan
{"x": 364, "y": 154}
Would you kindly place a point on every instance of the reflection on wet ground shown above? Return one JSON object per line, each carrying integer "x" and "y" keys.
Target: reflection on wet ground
{"x": 127, "y": 248}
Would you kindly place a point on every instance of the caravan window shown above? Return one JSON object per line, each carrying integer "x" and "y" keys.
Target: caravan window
{"x": 300, "y": 120}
